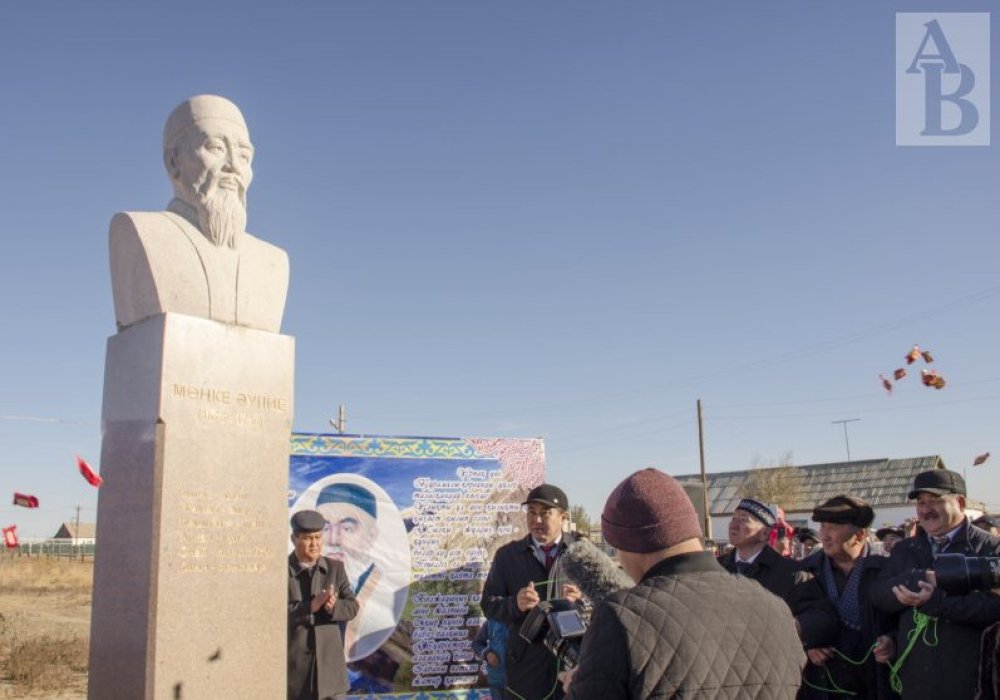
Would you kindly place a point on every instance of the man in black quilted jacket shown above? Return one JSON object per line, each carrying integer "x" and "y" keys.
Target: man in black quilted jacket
{"x": 688, "y": 629}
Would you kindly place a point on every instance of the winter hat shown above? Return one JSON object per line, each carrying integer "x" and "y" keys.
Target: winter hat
{"x": 647, "y": 512}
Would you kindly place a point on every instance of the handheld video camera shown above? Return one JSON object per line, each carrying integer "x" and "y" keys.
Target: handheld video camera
{"x": 957, "y": 574}
{"x": 559, "y": 625}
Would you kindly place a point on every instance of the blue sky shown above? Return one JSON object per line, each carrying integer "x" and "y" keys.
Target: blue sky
{"x": 566, "y": 219}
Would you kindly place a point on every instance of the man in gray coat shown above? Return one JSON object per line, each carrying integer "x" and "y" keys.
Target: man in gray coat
{"x": 688, "y": 628}
{"x": 320, "y": 600}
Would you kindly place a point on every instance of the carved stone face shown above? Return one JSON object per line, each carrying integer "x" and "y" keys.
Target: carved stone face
{"x": 213, "y": 155}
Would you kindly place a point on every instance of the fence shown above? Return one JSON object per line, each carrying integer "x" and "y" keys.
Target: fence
{"x": 51, "y": 549}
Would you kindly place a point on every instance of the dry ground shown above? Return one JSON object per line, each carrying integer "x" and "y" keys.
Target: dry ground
{"x": 44, "y": 627}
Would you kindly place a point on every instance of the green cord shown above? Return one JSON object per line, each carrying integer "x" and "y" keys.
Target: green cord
{"x": 515, "y": 693}
{"x": 836, "y": 688}
{"x": 921, "y": 626}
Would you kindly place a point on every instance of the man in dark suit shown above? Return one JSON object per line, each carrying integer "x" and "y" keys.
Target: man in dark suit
{"x": 815, "y": 617}
{"x": 320, "y": 599}
{"x": 524, "y": 573}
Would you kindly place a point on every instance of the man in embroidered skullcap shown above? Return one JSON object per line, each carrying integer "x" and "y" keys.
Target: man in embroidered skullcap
{"x": 688, "y": 628}
{"x": 906, "y": 589}
{"x": 749, "y": 530}
{"x": 846, "y": 569}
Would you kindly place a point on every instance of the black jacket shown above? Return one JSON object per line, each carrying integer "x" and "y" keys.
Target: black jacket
{"x": 817, "y": 618}
{"x": 870, "y": 680}
{"x": 690, "y": 630}
{"x": 531, "y": 668}
{"x": 960, "y": 619}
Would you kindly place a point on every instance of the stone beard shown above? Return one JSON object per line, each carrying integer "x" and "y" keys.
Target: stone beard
{"x": 222, "y": 216}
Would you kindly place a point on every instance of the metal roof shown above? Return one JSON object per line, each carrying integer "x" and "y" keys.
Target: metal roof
{"x": 881, "y": 482}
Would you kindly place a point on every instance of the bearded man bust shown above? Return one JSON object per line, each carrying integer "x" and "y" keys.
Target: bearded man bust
{"x": 196, "y": 258}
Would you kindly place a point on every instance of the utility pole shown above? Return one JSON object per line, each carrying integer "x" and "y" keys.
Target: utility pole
{"x": 340, "y": 424}
{"x": 704, "y": 478}
{"x": 846, "y": 441}
{"x": 76, "y": 530}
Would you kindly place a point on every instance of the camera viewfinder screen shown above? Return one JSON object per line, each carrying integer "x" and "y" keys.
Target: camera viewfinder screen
{"x": 569, "y": 623}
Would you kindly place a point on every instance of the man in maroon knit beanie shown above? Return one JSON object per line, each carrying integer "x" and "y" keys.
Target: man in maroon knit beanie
{"x": 688, "y": 628}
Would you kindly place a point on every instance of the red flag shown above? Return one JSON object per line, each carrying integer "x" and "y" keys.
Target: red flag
{"x": 10, "y": 536}
{"x": 899, "y": 374}
{"x": 25, "y": 501}
{"x": 92, "y": 477}
{"x": 980, "y": 459}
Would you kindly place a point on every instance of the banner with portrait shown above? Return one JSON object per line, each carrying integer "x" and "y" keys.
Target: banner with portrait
{"x": 416, "y": 522}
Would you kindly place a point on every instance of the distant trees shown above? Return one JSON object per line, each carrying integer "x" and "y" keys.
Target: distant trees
{"x": 777, "y": 481}
{"x": 578, "y": 515}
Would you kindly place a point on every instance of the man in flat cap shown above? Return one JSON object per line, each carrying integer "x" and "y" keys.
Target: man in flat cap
{"x": 889, "y": 536}
{"x": 688, "y": 628}
{"x": 989, "y": 523}
{"x": 906, "y": 588}
{"x": 846, "y": 569}
{"x": 523, "y": 573}
{"x": 749, "y": 529}
{"x": 320, "y": 600}
{"x": 196, "y": 258}
{"x": 808, "y": 541}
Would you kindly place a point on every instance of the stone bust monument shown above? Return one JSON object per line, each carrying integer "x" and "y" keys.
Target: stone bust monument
{"x": 196, "y": 258}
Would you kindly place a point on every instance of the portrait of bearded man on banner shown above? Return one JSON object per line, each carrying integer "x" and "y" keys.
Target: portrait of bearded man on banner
{"x": 365, "y": 531}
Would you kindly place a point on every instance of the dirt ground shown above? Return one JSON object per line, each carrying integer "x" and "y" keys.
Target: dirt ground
{"x": 44, "y": 627}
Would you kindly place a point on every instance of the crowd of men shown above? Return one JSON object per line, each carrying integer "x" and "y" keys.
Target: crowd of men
{"x": 844, "y": 618}
{"x": 847, "y": 619}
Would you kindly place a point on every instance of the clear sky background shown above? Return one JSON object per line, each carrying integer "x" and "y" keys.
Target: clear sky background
{"x": 565, "y": 219}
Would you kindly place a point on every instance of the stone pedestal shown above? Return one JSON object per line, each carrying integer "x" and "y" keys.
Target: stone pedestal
{"x": 190, "y": 580}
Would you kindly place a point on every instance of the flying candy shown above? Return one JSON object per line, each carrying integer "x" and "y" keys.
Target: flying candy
{"x": 899, "y": 374}
{"x": 914, "y": 355}
{"x": 932, "y": 378}
{"x": 980, "y": 459}
{"x": 886, "y": 384}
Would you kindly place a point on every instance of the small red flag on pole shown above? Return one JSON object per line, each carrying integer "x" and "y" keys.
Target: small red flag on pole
{"x": 92, "y": 477}
{"x": 25, "y": 501}
{"x": 10, "y": 536}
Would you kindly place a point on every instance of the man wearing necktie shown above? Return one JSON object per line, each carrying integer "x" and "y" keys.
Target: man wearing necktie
{"x": 749, "y": 530}
{"x": 907, "y": 586}
{"x": 524, "y": 573}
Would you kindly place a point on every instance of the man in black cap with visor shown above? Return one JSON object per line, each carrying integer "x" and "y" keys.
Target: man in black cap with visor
{"x": 906, "y": 588}
{"x": 525, "y": 572}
